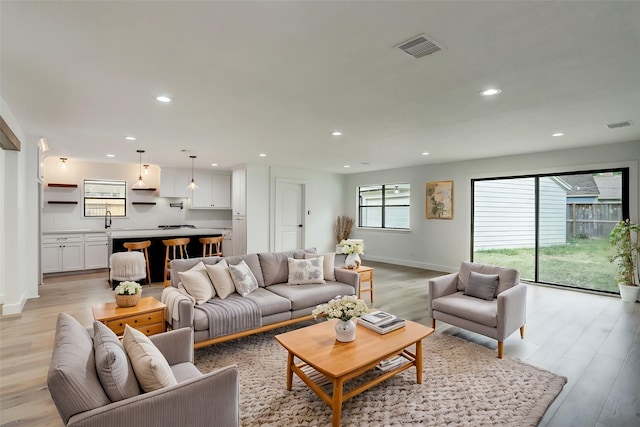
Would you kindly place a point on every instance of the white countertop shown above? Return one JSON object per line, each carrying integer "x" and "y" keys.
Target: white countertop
{"x": 74, "y": 231}
{"x": 157, "y": 232}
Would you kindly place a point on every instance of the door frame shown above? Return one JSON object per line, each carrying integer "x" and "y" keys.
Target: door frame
{"x": 276, "y": 183}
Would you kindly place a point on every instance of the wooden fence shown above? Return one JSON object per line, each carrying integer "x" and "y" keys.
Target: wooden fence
{"x": 592, "y": 220}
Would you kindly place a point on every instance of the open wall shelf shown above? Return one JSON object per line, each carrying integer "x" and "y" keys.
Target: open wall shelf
{"x": 61, "y": 202}
{"x": 51, "y": 184}
{"x": 143, "y": 189}
{"x": 144, "y": 203}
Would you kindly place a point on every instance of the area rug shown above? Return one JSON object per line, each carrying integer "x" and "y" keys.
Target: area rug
{"x": 464, "y": 384}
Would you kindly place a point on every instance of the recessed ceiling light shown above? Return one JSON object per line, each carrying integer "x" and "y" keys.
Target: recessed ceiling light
{"x": 336, "y": 133}
{"x": 163, "y": 98}
{"x": 262, "y": 155}
{"x": 426, "y": 153}
{"x": 130, "y": 138}
{"x": 111, "y": 155}
{"x": 558, "y": 134}
{"x": 214, "y": 164}
{"x": 347, "y": 166}
{"x": 490, "y": 92}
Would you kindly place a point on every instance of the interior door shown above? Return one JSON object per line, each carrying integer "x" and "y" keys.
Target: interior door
{"x": 289, "y": 229}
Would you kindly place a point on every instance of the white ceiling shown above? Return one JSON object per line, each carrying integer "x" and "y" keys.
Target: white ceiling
{"x": 278, "y": 77}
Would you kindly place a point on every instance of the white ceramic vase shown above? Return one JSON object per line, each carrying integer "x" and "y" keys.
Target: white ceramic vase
{"x": 345, "y": 331}
{"x": 629, "y": 293}
{"x": 352, "y": 261}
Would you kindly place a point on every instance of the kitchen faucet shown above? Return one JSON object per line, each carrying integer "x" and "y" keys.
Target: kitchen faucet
{"x": 107, "y": 219}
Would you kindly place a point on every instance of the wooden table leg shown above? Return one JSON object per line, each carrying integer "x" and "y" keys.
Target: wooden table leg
{"x": 289, "y": 371}
{"x": 419, "y": 362}
{"x": 337, "y": 401}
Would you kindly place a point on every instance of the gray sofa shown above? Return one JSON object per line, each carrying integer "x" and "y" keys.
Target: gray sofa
{"x": 498, "y": 316}
{"x": 279, "y": 303}
{"x": 83, "y": 400}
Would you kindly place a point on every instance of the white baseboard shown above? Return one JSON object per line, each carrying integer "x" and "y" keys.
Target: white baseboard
{"x": 15, "y": 308}
{"x": 415, "y": 264}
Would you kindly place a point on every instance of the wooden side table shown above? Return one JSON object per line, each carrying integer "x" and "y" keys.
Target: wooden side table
{"x": 366, "y": 276}
{"x": 147, "y": 316}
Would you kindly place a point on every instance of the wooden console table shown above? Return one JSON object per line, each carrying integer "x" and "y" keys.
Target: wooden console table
{"x": 147, "y": 316}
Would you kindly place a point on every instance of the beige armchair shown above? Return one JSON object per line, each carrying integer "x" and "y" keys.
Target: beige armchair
{"x": 496, "y": 309}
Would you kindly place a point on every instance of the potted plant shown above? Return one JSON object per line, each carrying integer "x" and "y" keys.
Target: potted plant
{"x": 353, "y": 248}
{"x": 128, "y": 294}
{"x": 626, "y": 252}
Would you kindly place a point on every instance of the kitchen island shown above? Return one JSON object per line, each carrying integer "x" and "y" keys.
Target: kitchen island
{"x": 117, "y": 238}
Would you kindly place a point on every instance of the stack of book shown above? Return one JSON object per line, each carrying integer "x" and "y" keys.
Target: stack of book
{"x": 381, "y": 322}
{"x": 391, "y": 363}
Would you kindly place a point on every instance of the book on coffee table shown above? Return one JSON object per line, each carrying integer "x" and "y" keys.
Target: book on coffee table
{"x": 376, "y": 317}
{"x": 384, "y": 326}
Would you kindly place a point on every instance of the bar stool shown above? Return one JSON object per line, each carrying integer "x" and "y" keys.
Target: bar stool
{"x": 176, "y": 249}
{"x": 211, "y": 246}
{"x": 142, "y": 247}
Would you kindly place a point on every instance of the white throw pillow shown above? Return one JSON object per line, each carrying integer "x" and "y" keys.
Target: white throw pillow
{"x": 196, "y": 282}
{"x": 243, "y": 278}
{"x": 328, "y": 264}
{"x": 305, "y": 271}
{"x": 149, "y": 364}
{"x": 221, "y": 279}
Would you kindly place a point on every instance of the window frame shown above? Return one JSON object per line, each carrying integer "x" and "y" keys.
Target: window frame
{"x": 86, "y": 197}
{"x": 383, "y": 206}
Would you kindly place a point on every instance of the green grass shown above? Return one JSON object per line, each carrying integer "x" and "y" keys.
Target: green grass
{"x": 582, "y": 263}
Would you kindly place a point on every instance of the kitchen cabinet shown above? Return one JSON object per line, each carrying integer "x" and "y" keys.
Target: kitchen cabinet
{"x": 239, "y": 232}
{"x": 174, "y": 181}
{"x": 239, "y": 192}
{"x": 214, "y": 191}
{"x": 62, "y": 252}
{"x": 96, "y": 251}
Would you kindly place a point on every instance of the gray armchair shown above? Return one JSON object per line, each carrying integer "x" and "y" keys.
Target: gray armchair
{"x": 197, "y": 399}
{"x": 498, "y": 315}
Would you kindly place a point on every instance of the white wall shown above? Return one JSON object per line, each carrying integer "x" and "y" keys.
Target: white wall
{"x": 70, "y": 217}
{"x": 19, "y": 220}
{"x": 443, "y": 244}
{"x": 323, "y": 198}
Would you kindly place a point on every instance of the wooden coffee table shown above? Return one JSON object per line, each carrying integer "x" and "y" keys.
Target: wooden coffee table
{"x": 340, "y": 362}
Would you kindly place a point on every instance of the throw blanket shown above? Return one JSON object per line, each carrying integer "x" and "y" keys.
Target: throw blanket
{"x": 233, "y": 314}
{"x": 172, "y": 297}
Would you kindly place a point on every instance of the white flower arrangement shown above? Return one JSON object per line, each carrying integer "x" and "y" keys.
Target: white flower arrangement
{"x": 343, "y": 308}
{"x": 352, "y": 246}
{"x": 128, "y": 288}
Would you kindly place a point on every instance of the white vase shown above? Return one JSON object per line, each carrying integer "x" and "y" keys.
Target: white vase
{"x": 352, "y": 261}
{"x": 629, "y": 293}
{"x": 345, "y": 330}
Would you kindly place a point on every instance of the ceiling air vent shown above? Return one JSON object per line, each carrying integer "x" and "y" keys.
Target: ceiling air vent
{"x": 620, "y": 124}
{"x": 420, "y": 46}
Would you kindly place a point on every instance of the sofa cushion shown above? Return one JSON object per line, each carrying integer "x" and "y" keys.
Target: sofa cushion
{"x": 243, "y": 278}
{"x": 303, "y": 296}
{"x": 328, "y": 264}
{"x": 482, "y": 286}
{"x": 221, "y": 279}
{"x": 185, "y": 371}
{"x": 72, "y": 378}
{"x": 112, "y": 364}
{"x": 509, "y": 277}
{"x": 275, "y": 266}
{"x": 178, "y": 265}
{"x": 304, "y": 271}
{"x": 149, "y": 364}
{"x": 252, "y": 261}
{"x": 197, "y": 283}
{"x": 269, "y": 302}
{"x": 470, "y": 308}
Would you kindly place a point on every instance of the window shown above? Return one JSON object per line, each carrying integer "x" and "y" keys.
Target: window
{"x": 102, "y": 196}
{"x": 384, "y": 206}
{"x": 553, "y": 228}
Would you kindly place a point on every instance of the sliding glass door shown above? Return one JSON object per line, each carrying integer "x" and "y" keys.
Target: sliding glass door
{"x": 552, "y": 228}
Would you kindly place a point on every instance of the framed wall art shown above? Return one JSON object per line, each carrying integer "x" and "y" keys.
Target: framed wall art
{"x": 440, "y": 200}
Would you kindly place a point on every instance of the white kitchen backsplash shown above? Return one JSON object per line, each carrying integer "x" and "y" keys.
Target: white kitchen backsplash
{"x": 60, "y": 217}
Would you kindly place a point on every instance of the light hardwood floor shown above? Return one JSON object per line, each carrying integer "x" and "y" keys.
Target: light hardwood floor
{"x": 592, "y": 340}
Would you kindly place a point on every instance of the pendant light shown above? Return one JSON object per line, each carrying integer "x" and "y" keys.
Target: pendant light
{"x": 140, "y": 184}
{"x": 192, "y": 185}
